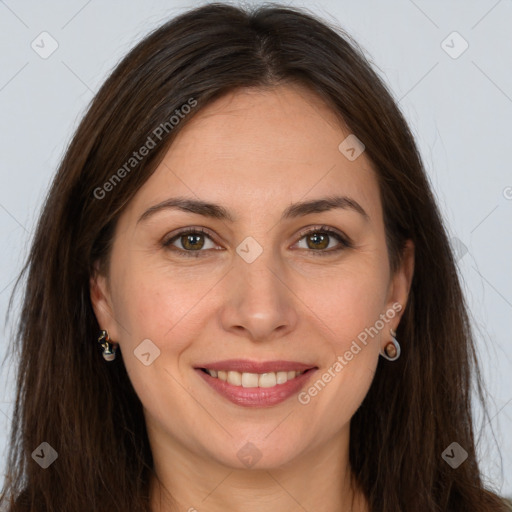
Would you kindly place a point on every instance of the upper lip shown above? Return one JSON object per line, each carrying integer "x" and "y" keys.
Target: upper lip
{"x": 247, "y": 366}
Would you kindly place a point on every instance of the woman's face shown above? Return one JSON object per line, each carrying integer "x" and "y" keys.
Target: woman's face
{"x": 254, "y": 288}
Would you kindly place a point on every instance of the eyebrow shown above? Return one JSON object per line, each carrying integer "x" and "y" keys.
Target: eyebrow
{"x": 216, "y": 211}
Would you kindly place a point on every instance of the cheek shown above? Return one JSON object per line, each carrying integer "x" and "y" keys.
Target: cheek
{"x": 355, "y": 326}
{"x": 355, "y": 300}
{"x": 153, "y": 303}
{"x": 358, "y": 319}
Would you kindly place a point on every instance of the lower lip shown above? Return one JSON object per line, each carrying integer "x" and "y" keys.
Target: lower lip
{"x": 257, "y": 397}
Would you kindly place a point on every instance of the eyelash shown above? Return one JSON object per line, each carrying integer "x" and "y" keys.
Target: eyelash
{"x": 345, "y": 242}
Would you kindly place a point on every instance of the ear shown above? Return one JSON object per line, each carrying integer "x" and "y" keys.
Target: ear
{"x": 101, "y": 300}
{"x": 401, "y": 283}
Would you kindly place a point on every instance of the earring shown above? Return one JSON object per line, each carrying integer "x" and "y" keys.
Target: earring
{"x": 392, "y": 350}
{"x": 109, "y": 348}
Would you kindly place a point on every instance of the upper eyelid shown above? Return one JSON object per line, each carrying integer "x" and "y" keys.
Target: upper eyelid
{"x": 322, "y": 229}
{"x": 192, "y": 230}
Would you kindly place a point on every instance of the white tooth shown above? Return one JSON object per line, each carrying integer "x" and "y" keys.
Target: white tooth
{"x": 267, "y": 380}
{"x": 282, "y": 377}
{"x": 235, "y": 378}
{"x": 252, "y": 380}
{"x": 249, "y": 380}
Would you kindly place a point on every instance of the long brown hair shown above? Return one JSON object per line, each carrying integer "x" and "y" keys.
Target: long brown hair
{"x": 88, "y": 411}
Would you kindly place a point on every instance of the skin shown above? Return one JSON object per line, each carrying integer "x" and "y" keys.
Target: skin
{"x": 255, "y": 152}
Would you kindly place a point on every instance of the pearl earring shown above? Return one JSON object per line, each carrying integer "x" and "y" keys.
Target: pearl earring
{"x": 109, "y": 348}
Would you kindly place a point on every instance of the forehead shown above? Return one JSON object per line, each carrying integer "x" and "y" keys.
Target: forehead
{"x": 276, "y": 145}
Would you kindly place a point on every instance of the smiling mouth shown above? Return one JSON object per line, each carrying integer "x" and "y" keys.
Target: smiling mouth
{"x": 254, "y": 380}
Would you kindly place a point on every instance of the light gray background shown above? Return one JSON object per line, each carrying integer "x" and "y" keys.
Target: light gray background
{"x": 460, "y": 111}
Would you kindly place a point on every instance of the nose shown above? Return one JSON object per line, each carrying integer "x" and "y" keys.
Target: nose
{"x": 259, "y": 303}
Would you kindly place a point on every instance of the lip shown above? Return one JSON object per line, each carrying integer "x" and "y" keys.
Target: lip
{"x": 247, "y": 366}
{"x": 257, "y": 397}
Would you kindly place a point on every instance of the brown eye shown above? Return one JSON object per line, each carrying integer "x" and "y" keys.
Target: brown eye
{"x": 189, "y": 242}
{"x": 192, "y": 241}
{"x": 318, "y": 240}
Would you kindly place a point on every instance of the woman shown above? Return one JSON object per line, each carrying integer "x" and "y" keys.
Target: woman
{"x": 243, "y": 229}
